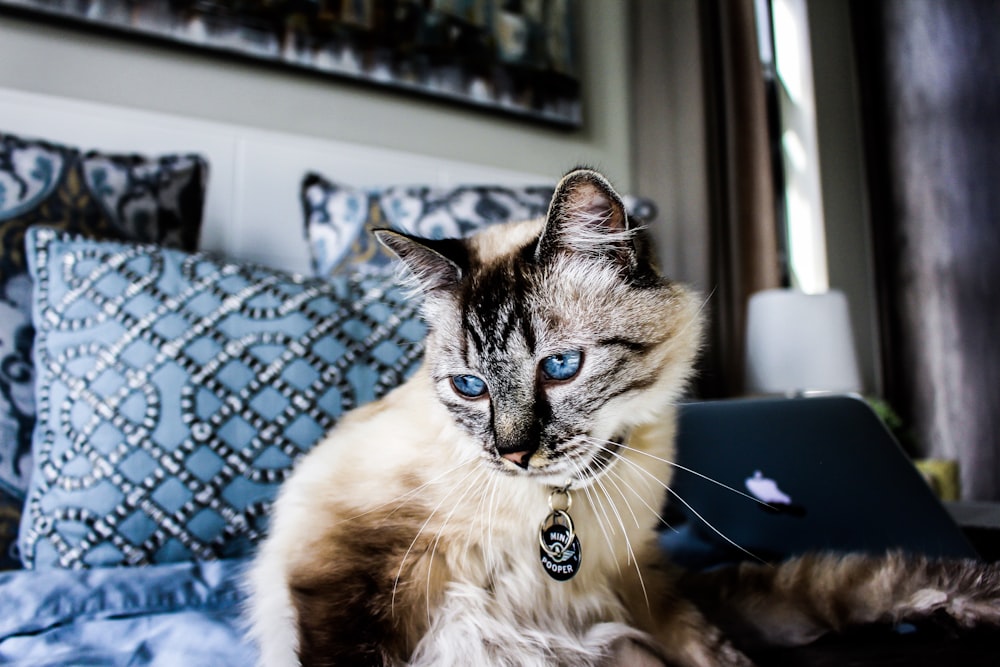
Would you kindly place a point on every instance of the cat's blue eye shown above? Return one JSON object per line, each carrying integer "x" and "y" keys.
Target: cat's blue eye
{"x": 468, "y": 385}
{"x": 562, "y": 366}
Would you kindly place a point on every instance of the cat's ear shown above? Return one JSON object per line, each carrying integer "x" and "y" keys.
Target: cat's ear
{"x": 432, "y": 264}
{"x": 587, "y": 216}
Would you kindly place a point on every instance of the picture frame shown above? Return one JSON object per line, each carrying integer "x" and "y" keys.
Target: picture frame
{"x": 516, "y": 57}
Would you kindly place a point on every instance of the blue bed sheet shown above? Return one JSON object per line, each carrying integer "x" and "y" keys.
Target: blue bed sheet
{"x": 173, "y": 615}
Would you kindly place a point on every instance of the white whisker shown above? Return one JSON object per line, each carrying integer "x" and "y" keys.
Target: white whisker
{"x": 480, "y": 512}
{"x": 490, "y": 553}
{"x": 652, "y": 510}
{"x": 601, "y": 488}
{"x": 437, "y": 539}
{"x": 596, "y": 501}
{"x": 669, "y": 490}
{"x": 402, "y": 563}
{"x": 595, "y": 505}
{"x": 630, "y": 552}
{"x": 611, "y": 474}
{"x": 655, "y": 512}
{"x": 712, "y": 527}
{"x": 678, "y": 466}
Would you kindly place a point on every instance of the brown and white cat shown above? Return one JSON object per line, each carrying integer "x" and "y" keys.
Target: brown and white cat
{"x": 412, "y": 535}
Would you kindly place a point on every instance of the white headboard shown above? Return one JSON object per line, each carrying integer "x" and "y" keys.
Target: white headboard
{"x": 253, "y": 210}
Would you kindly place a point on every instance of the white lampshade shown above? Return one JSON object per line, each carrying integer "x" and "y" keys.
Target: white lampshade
{"x": 799, "y": 343}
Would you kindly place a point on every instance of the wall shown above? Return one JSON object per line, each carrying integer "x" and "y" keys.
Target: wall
{"x": 670, "y": 136}
{"x": 850, "y": 258}
{"x": 45, "y": 58}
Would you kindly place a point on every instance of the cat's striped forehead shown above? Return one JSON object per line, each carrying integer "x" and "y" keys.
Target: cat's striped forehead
{"x": 510, "y": 303}
{"x": 495, "y": 298}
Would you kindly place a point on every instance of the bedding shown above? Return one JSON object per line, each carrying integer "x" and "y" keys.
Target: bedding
{"x": 173, "y": 615}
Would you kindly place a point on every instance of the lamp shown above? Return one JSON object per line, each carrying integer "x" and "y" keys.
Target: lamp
{"x": 799, "y": 343}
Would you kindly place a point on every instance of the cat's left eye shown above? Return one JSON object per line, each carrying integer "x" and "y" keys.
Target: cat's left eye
{"x": 562, "y": 366}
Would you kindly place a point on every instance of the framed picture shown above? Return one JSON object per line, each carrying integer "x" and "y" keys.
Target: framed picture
{"x": 515, "y": 56}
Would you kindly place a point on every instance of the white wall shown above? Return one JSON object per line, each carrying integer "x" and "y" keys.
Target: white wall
{"x": 40, "y": 57}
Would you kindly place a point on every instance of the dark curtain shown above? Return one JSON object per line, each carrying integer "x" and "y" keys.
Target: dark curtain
{"x": 744, "y": 253}
{"x": 929, "y": 74}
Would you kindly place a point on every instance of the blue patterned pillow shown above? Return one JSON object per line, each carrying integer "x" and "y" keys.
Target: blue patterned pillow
{"x": 339, "y": 218}
{"x": 125, "y": 197}
{"x": 176, "y": 390}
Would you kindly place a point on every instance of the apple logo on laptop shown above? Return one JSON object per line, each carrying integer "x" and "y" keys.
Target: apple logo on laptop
{"x": 766, "y": 489}
{"x": 773, "y": 499}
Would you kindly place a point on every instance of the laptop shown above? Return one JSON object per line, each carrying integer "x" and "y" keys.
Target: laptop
{"x": 768, "y": 478}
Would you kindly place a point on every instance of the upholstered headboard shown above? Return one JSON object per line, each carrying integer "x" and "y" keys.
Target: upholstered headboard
{"x": 252, "y": 209}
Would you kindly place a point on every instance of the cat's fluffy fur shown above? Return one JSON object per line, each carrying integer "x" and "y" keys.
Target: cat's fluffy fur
{"x": 409, "y": 536}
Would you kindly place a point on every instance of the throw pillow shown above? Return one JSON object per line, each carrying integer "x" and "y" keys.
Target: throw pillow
{"x": 339, "y": 218}
{"x": 94, "y": 194}
{"x": 176, "y": 391}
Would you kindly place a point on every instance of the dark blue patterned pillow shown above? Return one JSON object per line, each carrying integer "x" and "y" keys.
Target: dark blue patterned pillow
{"x": 176, "y": 390}
{"x": 108, "y": 196}
{"x": 339, "y": 218}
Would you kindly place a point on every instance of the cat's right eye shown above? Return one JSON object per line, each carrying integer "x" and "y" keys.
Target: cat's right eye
{"x": 468, "y": 386}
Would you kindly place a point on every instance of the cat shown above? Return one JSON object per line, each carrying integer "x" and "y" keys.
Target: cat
{"x": 501, "y": 506}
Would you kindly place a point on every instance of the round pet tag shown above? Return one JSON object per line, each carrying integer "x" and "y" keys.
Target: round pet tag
{"x": 559, "y": 547}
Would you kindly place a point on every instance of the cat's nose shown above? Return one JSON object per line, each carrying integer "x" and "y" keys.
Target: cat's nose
{"x": 519, "y": 458}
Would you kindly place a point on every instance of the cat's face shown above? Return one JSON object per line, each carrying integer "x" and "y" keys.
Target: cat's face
{"x": 551, "y": 340}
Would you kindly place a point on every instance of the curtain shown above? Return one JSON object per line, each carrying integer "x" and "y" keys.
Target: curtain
{"x": 744, "y": 240}
{"x": 703, "y": 151}
{"x": 930, "y": 92}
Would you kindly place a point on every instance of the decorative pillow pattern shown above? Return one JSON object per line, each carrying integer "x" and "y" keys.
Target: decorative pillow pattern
{"x": 127, "y": 197}
{"x": 124, "y": 197}
{"x": 176, "y": 391}
{"x": 339, "y": 218}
